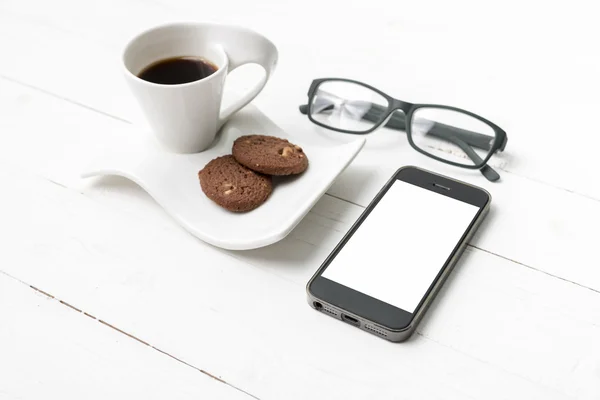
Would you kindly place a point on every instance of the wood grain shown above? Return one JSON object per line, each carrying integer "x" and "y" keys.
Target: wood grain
{"x": 519, "y": 317}
{"x": 495, "y": 319}
{"x": 550, "y": 233}
{"x": 50, "y": 351}
{"x": 494, "y": 73}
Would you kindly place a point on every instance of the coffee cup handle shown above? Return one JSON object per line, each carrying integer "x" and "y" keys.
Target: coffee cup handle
{"x": 248, "y": 48}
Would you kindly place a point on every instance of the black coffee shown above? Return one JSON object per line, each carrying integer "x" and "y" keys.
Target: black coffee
{"x": 173, "y": 71}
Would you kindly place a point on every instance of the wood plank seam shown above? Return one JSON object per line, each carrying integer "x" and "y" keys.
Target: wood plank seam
{"x": 51, "y": 297}
{"x": 418, "y": 332}
{"x": 533, "y": 268}
{"x": 427, "y": 337}
{"x": 541, "y": 182}
{"x": 57, "y": 96}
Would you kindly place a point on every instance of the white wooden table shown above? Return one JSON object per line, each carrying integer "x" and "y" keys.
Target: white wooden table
{"x": 103, "y": 296}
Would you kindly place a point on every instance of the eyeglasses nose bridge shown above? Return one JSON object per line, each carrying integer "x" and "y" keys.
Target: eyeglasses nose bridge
{"x": 401, "y": 105}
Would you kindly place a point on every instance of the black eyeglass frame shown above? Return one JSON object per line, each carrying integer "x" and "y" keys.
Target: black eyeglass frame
{"x": 408, "y": 109}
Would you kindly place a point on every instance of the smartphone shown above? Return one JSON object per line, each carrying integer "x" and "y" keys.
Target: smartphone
{"x": 389, "y": 266}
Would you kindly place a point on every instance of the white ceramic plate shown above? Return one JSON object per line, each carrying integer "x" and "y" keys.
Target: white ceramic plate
{"x": 172, "y": 180}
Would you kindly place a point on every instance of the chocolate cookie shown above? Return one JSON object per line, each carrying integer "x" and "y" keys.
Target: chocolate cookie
{"x": 269, "y": 155}
{"x": 233, "y": 186}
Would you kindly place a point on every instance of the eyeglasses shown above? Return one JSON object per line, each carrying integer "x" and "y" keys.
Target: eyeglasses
{"x": 444, "y": 133}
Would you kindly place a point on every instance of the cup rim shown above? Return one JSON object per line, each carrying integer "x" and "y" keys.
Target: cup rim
{"x": 167, "y": 25}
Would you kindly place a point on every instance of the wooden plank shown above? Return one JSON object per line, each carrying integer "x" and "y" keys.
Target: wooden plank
{"x": 543, "y": 231}
{"x": 112, "y": 253}
{"x": 52, "y": 351}
{"x": 495, "y": 324}
{"x": 544, "y": 227}
{"x": 492, "y": 72}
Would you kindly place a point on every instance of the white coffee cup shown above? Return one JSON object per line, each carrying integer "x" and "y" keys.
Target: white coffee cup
{"x": 186, "y": 117}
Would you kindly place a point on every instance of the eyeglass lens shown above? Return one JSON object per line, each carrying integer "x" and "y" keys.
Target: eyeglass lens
{"x": 452, "y": 135}
{"x": 345, "y": 105}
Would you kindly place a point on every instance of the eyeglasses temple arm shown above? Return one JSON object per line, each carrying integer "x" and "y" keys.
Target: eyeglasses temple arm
{"x": 487, "y": 171}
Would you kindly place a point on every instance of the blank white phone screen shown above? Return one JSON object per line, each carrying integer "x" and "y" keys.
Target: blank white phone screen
{"x": 401, "y": 246}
